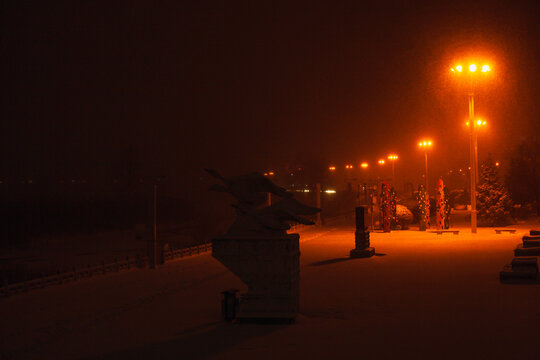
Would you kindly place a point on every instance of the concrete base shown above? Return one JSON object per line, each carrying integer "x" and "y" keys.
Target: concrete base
{"x": 524, "y": 269}
{"x": 531, "y": 243}
{"x": 520, "y": 250}
{"x": 516, "y": 276}
{"x": 270, "y": 267}
{"x": 362, "y": 253}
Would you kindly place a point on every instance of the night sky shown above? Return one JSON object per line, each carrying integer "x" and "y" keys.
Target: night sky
{"x": 171, "y": 87}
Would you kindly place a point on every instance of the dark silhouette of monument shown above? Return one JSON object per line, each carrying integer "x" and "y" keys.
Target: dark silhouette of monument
{"x": 258, "y": 250}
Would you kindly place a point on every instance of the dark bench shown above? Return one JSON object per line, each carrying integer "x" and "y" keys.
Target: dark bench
{"x": 439, "y": 232}
{"x": 511, "y": 231}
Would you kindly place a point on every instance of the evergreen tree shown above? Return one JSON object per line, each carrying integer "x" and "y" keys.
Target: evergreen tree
{"x": 494, "y": 203}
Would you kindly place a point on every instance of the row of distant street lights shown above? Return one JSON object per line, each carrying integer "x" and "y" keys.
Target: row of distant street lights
{"x": 365, "y": 165}
{"x": 473, "y": 124}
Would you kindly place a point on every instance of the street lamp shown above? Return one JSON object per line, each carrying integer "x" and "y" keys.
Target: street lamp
{"x": 393, "y": 159}
{"x": 426, "y": 144}
{"x": 473, "y": 137}
{"x": 477, "y": 125}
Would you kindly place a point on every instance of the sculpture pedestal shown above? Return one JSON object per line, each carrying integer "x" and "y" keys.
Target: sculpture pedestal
{"x": 270, "y": 267}
{"x": 361, "y": 236}
{"x": 360, "y": 253}
{"x": 362, "y": 248}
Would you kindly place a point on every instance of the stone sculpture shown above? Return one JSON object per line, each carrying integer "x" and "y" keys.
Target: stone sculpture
{"x": 254, "y": 220}
{"x": 258, "y": 250}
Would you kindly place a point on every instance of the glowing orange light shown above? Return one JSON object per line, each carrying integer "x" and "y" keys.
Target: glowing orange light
{"x": 265, "y": 174}
{"x": 330, "y": 191}
{"x": 348, "y": 166}
{"x": 425, "y": 143}
{"x": 472, "y": 68}
{"x": 467, "y": 123}
{"x": 392, "y": 157}
{"x": 332, "y": 168}
{"x": 483, "y": 123}
{"x": 452, "y": 69}
{"x": 497, "y": 163}
{"x": 364, "y": 165}
{"x": 271, "y": 173}
{"x": 478, "y": 122}
{"x": 459, "y": 68}
{"x": 381, "y": 162}
{"x": 485, "y": 68}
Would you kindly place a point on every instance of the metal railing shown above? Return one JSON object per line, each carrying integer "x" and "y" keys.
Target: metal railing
{"x": 103, "y": 268}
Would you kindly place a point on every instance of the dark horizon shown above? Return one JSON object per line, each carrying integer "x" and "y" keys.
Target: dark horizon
{"x": 102, "y": 88}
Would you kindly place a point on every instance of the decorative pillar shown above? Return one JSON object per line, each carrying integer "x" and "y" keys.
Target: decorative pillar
{"x": 393, "y": 209}
{"x": 361, "y": 236}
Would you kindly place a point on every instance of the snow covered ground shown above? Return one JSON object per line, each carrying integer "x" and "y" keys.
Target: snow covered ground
{"x": 423, "y": 296}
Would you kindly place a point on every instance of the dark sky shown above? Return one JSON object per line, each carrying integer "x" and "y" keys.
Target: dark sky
{"x": 173, "y": 86}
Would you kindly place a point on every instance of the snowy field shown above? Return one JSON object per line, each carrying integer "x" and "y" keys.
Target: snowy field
{"x": 424, "y": 296}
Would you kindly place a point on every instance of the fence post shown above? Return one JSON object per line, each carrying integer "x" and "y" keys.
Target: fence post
{"x": 318, "y": 220}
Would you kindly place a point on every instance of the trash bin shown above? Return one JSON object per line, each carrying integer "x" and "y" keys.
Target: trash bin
{"x": 229, "y": 304}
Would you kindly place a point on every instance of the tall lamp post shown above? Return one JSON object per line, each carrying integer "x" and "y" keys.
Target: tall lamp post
{"x": 393, "y": 159}
{"x": 381, "y": 163}
{"x": 473, "y": 138}
{"x": 426, "y": 144}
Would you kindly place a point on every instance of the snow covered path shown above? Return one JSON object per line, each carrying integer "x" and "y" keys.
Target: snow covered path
{"x": 423, "y": 296}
